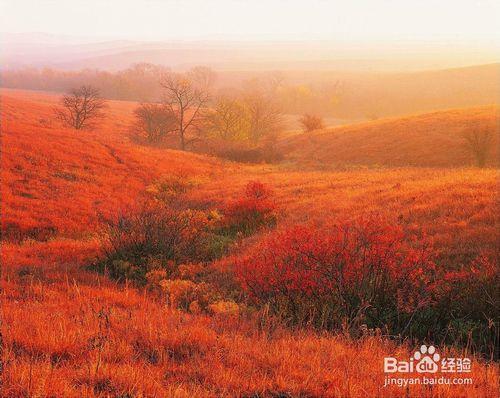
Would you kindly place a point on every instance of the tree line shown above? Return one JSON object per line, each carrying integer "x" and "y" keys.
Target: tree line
{"x": 189, "y": 110}
{"x": 140, "y": 83}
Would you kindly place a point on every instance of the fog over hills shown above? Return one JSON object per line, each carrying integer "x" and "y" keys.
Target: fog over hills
{"x": 73, "y": 52}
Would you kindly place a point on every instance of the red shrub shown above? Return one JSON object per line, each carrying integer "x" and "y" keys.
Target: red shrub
{"x": 257, "y": 190}
{"x": 359, "y": 273}
{"x": 254, "y": 210}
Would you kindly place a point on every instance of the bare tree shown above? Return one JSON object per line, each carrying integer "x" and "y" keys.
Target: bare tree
{"x": 154, "y": 121}
{"x": 81, "y": 107}
{"x": 264, "y": 115}
{"x": 479, "y": 140}
{"x": 228, "y": 120}
{"x": 311, "y": 122}
{"x": 202, "y": 77}
{"x": 187, "y": 96}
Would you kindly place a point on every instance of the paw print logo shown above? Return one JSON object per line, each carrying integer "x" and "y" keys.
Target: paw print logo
{"x": 427, "y": 358}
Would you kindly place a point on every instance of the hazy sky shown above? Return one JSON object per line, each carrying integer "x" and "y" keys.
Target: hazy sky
{"x": 364, "y": 20}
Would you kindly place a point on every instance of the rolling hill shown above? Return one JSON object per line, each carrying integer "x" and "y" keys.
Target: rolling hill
{"x": 109, "y": 338}
{"x": 425, "y": 140}
{"x": 56, "y": 180}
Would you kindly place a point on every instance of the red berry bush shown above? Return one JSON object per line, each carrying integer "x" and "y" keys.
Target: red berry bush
{"x": 341, "y": 276}
{"x": 255, "y": 209}
{"x": 354, "y": 277}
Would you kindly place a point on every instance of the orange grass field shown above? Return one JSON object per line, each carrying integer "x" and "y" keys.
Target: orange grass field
{"x": 428, "y": 140}
{"x": 71, "y": 332}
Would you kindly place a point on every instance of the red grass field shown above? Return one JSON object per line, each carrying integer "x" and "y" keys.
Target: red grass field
{"x": 70, "y": 332}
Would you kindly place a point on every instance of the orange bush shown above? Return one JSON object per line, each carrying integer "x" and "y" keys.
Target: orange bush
{"x": 311, "y": 122}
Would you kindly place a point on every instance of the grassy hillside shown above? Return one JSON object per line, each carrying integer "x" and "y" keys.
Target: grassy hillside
{"x": 69, "y": 331}
{"x": 426, "y": 140}
{"x": 61, "y": 181}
